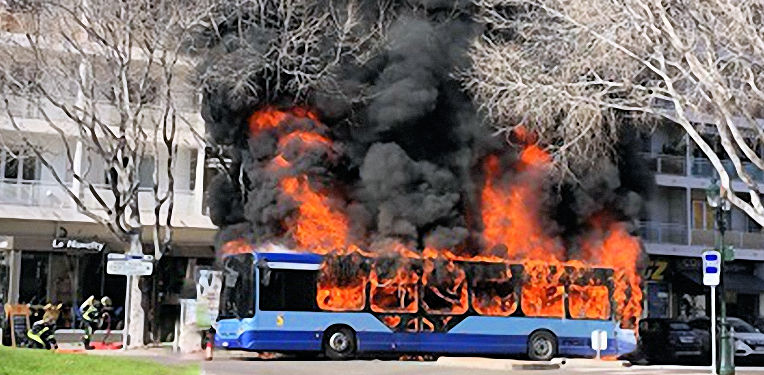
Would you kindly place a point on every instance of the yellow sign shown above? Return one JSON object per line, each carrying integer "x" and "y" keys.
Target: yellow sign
{"x": 280, "y": 320}
{"x": 656, "y": 270}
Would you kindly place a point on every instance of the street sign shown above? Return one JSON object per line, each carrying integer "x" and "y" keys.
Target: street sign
{"x": 712, "y": 267}
{"x": 129, "y": 265}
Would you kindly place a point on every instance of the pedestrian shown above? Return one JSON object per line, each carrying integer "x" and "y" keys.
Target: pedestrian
{"x": 91, "y": 311}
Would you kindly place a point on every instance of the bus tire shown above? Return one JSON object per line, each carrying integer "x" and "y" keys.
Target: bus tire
{"x": 339, "y": 343}
{"x": 542, "y": 346}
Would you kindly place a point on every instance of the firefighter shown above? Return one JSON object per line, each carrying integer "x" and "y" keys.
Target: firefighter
{"x": 42, "y": 333}
{"x": 91, "y": 311}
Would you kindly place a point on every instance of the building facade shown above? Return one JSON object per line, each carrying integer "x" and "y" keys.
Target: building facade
{"x": 678, "y": 225}
{"x": 50, "y": 250}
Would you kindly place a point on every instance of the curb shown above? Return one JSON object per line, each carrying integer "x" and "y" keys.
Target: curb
{"x": 589, "y": 363}
{"x": 495, "y": 364}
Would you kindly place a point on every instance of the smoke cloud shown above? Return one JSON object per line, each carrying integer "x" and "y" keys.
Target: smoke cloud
{"x": 407, "y": 144}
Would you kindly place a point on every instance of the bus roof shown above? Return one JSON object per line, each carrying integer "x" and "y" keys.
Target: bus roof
{"x": 289, "y": 257}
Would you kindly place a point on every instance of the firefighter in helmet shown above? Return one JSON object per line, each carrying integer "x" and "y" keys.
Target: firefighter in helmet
{"x": 91, "y": 311}
{"x": 42, "y": 333}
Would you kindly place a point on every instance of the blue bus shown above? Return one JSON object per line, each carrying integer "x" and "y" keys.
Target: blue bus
{"x": 268, "y": 303}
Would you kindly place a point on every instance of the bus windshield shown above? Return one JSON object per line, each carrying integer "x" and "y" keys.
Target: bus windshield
{"x": 238, "y": 295}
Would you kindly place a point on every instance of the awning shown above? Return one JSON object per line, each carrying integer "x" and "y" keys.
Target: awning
{"x": 736, "y": 282}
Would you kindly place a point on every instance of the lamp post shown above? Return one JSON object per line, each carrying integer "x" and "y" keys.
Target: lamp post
{"x": 722, "y": 205}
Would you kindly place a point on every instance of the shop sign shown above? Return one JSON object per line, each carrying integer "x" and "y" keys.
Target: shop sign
{"x": 59, "y": 243}
{"x": 656, "y": 270}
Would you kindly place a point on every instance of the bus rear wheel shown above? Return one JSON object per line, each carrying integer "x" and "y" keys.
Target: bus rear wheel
{"x": 339, "y": 343}
{"x": 542, "y": 346}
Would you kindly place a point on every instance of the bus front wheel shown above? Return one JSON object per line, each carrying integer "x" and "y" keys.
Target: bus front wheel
{"x": 339, "y": 343}
{"x": 542, "y": 346}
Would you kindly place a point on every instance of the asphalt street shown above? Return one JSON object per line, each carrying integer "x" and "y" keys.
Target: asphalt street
{"x": 391, "y": 367}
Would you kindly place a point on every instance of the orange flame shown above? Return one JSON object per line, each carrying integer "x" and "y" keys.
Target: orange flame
{"x": 319, "y": 227}
{"x": 543, "y": 291}
{"x": 394, "y": 288}
{"x": 510, "y": 215}
{"x": 237, "y": 246}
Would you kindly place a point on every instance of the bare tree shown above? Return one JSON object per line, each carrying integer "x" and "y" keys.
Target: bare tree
{"x": 288, "y": 48}
{"x": 572, "y": 71}
{"x": 110, "y": 78}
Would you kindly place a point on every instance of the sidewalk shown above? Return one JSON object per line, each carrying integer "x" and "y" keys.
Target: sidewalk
{"x": 163, "y": 354}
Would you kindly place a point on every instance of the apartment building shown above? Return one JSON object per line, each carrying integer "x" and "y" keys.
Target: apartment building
{"x": 678, "y": 225}
{"x": 50, "y": 250}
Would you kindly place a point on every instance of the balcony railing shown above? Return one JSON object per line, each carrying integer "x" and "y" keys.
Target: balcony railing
{"x": 34, "y": 193}
{"x": 667, "y": 164}
{"x": 703, "y": 168}
{"x": 699, "y": 167}
{"x": 656, "y": 232}
{"x": 184, "y": 200}
{"x": 671, "y": 233}
{"x": 737, "y": 239}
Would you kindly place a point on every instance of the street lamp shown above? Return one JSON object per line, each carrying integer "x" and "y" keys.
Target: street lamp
{"x": 721, "y": 205}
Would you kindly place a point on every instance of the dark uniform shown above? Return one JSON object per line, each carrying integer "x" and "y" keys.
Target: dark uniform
{"x": 91, "y": 311}
{"x": 42, "y": 335}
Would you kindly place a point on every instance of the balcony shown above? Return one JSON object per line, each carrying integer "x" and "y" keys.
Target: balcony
{"x": 656, "y": 232}
{"x": 676, "y": 234}
{"x": 667, "y": 164}
{"x": 737, "y": 239}
{"x": 34, "y": 193}
{"x": 184, "y": 201}
{"x": 703, "y": 168}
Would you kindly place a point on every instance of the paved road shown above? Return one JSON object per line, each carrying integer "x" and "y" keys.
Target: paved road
{"x": 390, "y": 367}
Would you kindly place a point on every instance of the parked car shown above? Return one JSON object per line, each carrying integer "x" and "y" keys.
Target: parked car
{"x": 667, "y": 341}
{"x": 749, "y": 341}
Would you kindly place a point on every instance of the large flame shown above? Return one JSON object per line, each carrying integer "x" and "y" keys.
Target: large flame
{"x": 402, "y": 280}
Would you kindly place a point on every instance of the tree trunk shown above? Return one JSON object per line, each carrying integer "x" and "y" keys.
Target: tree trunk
{"x": 137, "y": 316}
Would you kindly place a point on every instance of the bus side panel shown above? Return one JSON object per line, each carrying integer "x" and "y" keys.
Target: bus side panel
{"x": 301, "y": 331}
{"x": 573, "y": 336}
{"x": 463, "y": 343}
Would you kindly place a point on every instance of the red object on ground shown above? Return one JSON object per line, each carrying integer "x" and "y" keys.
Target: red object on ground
{"x": 106, "y": 346}
{"x": 208, "y": 347}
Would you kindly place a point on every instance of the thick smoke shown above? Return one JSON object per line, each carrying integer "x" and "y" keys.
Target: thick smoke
{"x": 408, "y": 144}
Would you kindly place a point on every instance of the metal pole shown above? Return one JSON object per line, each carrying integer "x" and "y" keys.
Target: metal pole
{"x": 713, "y": 330}
{"x": 125, "y": 326}
{"x": 726, "y": 353}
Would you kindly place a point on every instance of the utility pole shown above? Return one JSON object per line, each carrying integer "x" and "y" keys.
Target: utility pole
{"x": 721, "y": 205}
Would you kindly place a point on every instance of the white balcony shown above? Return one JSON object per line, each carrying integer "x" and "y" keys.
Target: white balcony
{"x": 656, "y": 232}
{"x": 34, "y": 193}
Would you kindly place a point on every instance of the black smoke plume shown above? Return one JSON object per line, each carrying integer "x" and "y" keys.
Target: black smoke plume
{"x": 407, "y": 142}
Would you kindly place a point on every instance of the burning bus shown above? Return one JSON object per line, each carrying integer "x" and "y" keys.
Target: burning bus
{"x": 396, "y": 255}
{"x": 345, "y": 304}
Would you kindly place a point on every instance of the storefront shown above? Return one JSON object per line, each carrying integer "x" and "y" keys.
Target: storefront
{"x": 66, "y": 271}
{"x": 674, "y": 289}
{"x": 69, "y": 270}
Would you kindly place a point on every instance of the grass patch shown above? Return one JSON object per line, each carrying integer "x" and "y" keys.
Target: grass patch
{"x": 35, "y": 361}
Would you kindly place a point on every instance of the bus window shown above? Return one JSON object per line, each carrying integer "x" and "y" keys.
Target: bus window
{"x": 237, "y": 297}
{"x": 588, "y": 302}
{"x": 493, "y": 290}
{"x": 394, "y": 286}
{"x": 444, "y": 287}
{"x": 342, "y": 283}
{"x": 289, "y": 290}
{"x": 542, "y": 291}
